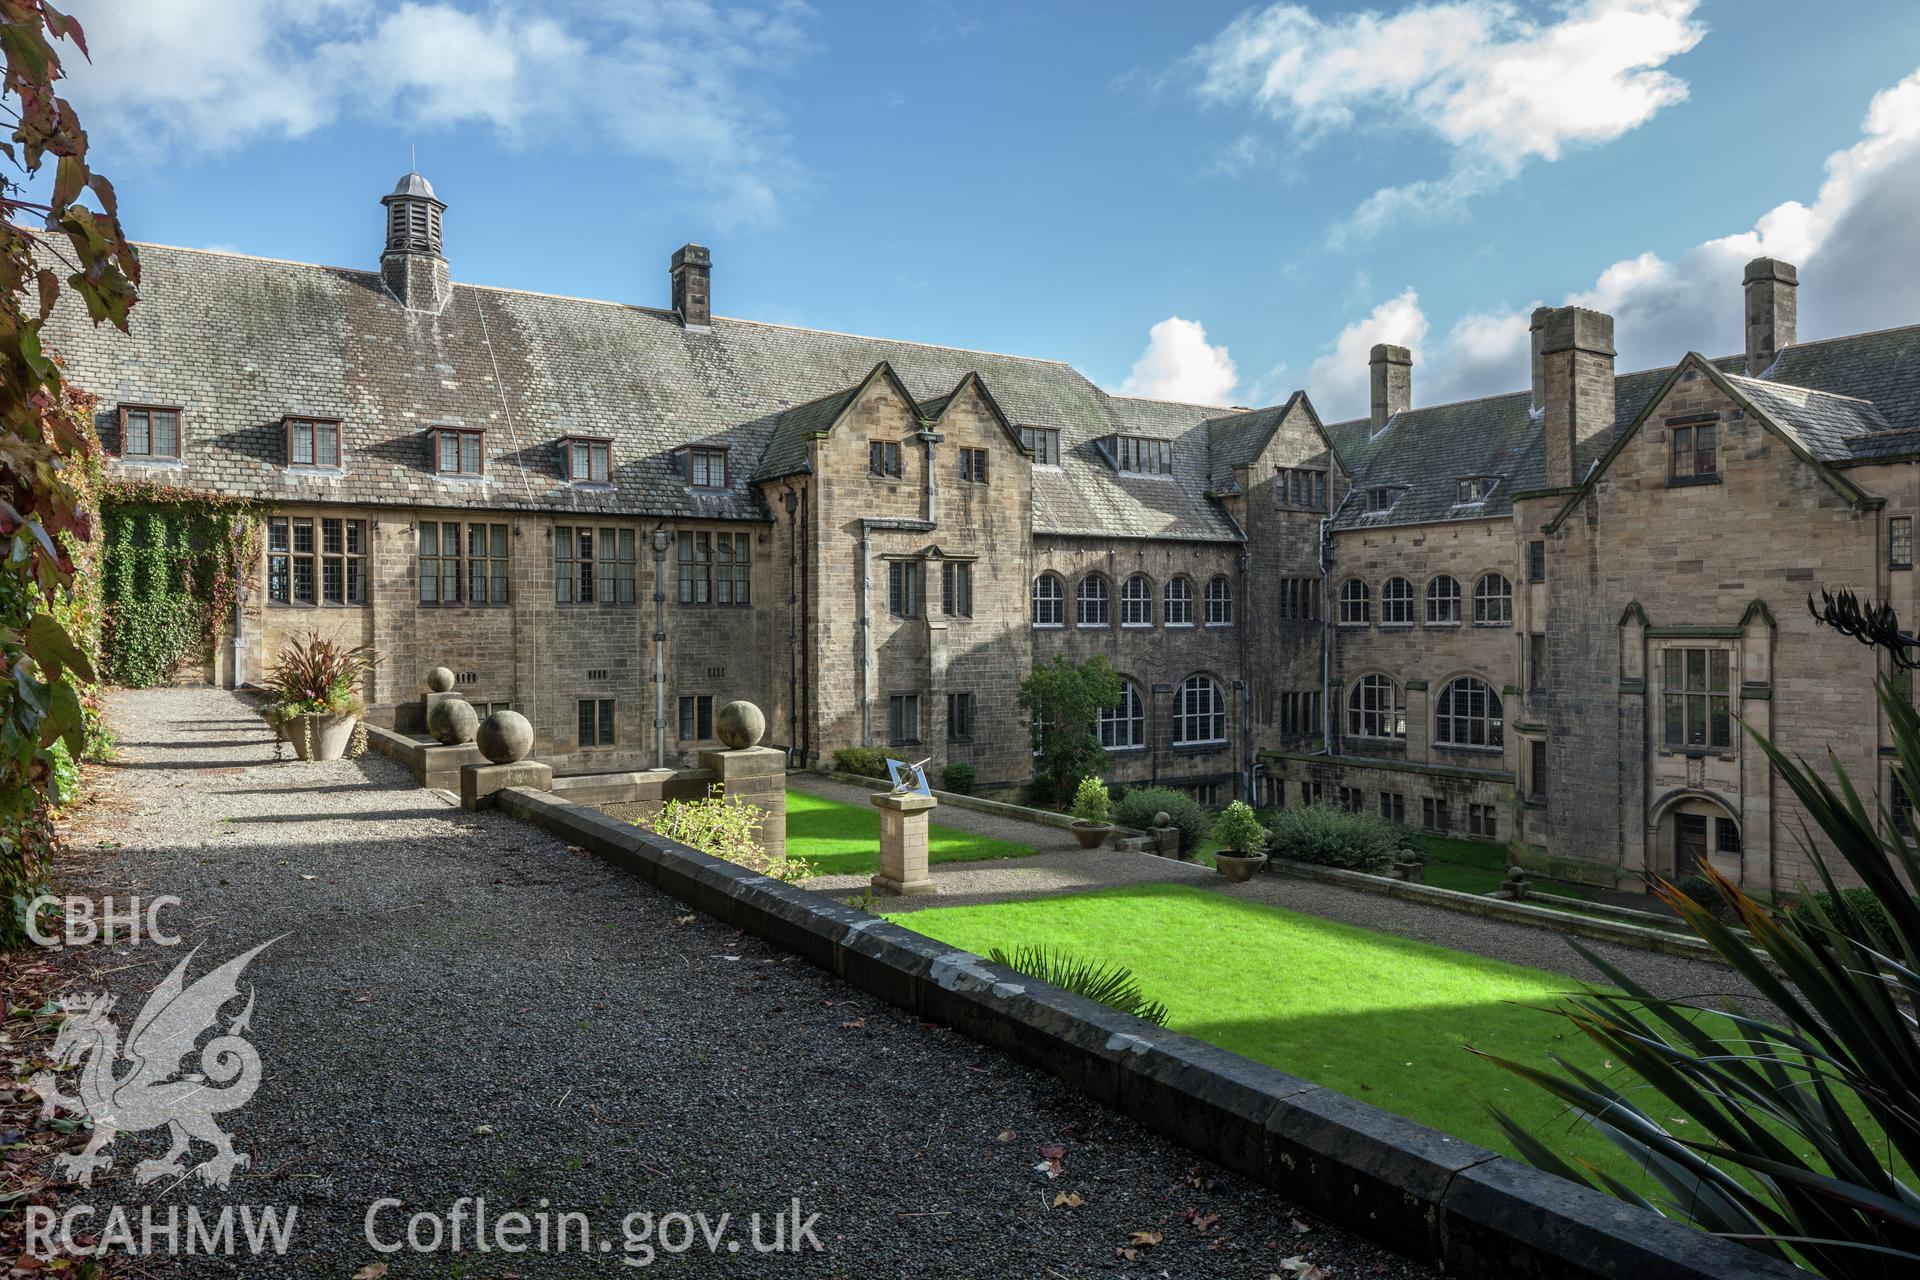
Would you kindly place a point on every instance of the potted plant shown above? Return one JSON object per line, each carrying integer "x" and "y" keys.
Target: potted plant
{"x": 1243, "y": 843}
{"x": 315, "y": 684}
{"x": 276, "y": 713}
{"x": 1091, "y": 805}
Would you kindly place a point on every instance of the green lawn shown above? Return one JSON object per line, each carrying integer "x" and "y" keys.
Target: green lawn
{"x": 1376, "y": 1017}
{"x": 844, "y": 839}
{"x": 1474, "y": 866}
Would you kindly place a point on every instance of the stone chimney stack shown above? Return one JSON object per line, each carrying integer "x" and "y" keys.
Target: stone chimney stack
{"x": 692, "y": 286}
{"x": 412, "y": 265}
{"x": 1538, "y": 334}
{"x": 1771, "y": 286}
{"x": 1392, "y": 370}
{"x": 1576, "y": 380}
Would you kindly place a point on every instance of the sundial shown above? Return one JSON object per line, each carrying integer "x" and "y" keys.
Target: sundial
{"x": 909, "y": 779}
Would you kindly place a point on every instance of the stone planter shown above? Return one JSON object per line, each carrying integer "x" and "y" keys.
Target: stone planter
{"x": 1090, "y": 835}
{"x": 322, "y": 736}
{"x": 1237, "y": 869}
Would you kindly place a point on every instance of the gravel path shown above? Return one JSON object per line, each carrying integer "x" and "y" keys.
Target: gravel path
{"x": 1064, "y": 867}
{"x": 458, "y": 1005}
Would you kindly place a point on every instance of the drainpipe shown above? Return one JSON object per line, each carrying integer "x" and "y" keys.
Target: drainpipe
{"x": 239, "y": 637}
{"x": 806, "y": 630}
{"x": 791, "y": 502}
{"x": 661, "y": 537}
{"x": 928, "y": 438}
{"x": 866, "y": 636}
{"x": 1245, "y": 625}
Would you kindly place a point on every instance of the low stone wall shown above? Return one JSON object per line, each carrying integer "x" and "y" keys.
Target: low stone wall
{"x": 431, "y": 763}
{"x": 1424, "y": 1193}
{"x": 1122, "y": 837}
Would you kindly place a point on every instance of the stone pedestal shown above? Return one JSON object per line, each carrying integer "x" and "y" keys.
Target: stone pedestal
{"x": 758, "y": 775}
{"x": 411, "y": 717}
{"x": 479, "y": 782}
{"x": 903, "y": 843}
{"x": 440, "y": 766}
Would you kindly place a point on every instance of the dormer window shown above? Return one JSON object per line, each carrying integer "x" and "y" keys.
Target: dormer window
{"x": 1472, "y": 489}
{"x": 313, "y": 442}
{"x": 1380, "y": 498}
{"x": 149, "y": 433}
{"x": 588, "y": 459}
{"x": 459, "y": 452}
{"x": 1045, "y": 443}
{"x": 1142, "y": 455}
{"x": 707, "y": 467}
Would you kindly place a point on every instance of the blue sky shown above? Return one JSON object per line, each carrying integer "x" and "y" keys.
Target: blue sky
{"x": 1179, "y": 199}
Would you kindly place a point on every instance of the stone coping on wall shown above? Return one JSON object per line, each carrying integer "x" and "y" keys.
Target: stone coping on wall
{"x": 1416, "y": 1190}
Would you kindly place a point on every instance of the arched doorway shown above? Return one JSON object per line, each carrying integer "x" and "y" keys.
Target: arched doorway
{"x": 1694, "y": 831}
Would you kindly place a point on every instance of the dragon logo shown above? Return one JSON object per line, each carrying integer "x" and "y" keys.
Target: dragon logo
{"x": 154, "y": 1090}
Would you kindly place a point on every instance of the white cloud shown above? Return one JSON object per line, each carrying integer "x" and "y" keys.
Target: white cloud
{"x": 1180, "y": 364}
{"x": 682, "y": 82}
{"x": 1854, "y": 244}
{"x": 1497, "y": 88}
{"x": 1339, "y": 381}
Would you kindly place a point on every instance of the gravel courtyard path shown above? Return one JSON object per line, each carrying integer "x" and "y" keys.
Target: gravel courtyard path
{"x": 1063, "y": 867}
{"x": 457, "y": 1005}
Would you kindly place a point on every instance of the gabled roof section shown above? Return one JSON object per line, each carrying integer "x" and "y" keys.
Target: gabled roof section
{"x": 787, "y": 450}
{"x": 1237, "y": 439}
{"x": 1826, "y": 425}
{"x": 934, "y": 410}
{"x": 1816, "y": 424}
{"x": 1424, "y": 453}
{"x": 1883, "y": 366}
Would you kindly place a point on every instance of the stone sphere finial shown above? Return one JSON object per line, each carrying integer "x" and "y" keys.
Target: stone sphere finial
{"x": 453, "y": 721}
{"x": 504, "y": 737}
{"x": 440, "y": 680}
{"x": 1163, "y": 819}
{"x": 740, "y": 725}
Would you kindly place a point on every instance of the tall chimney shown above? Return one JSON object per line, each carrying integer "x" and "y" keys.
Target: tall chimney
{"x": 412, "y": 265}
{"x": 1771, "y": 286}
{"x": 1538, "y": 334}
{"x": 1392, "y": 370}
{"x": 692, "y": 273}
{"x": 1576, "y": 357}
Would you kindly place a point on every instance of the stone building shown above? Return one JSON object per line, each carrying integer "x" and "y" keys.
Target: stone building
{"x": 1538, "y": 618}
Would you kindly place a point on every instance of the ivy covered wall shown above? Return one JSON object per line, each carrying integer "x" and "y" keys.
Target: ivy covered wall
{"x": 172, "y": 568}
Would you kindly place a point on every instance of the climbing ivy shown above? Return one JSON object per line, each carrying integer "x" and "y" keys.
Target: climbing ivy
{"x": 173, "y": 568}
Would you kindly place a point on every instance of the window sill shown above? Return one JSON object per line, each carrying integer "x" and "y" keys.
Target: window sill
{"x": 1700, "y": 753}
{"x": 1441, "y": 626}
{"x": 461, "y": 477}
{"x": 1219, "y": 626}
{"x": 1199, "y": 748}
{"x": 1136, "y": 626}
{"x": 1179, "y": 626}
{"x": 327, "y": 473}
{"x": 1049, "y": 626}
{"x": 152, "y": 464}
{"x": 1353, "y": 626}
{"x": 1470, "y": 750}
{"x": 1366, "y": 740}
{"x": 1396, "y": 626}
{"x": 1124, "y": 751}
{"x": 309, "y": 604}
{"x": 1689, "y": 482}
{"x": 1091, "y": 626}
{"x": 1494, "y": 625}
{"x": 591, "y": 486}
{"x": 905, "y": 742}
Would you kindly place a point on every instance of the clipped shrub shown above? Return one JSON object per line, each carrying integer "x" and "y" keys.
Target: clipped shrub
{"x": 725, "y": 826}
{"x": 1240, "y": 831}
{"x": 1857, "y": 913}
{"x": 1137, "y": 808}
{"x": 868, "y": 762}
{"x": 1111, "y": 984}
{"x": 1335, "y": 838}
{"x": 959, "y": 779}
{"x": 1091, "y": 804}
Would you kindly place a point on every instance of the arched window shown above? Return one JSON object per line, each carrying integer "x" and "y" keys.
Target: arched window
{"x": 1091, "y": 600}
{"x": 1396, "y": 603}
{"x": 1200, "y": 712}
{"x": 1179, "y": 602}
{"x": 1374, "y": 709}
{"x": 1049, "y": 601}
{"x": 1124, "y": 724}
{"x": 1356, "y": 607}
{"x": 1493, "y": 600}
{"x": 1136, "y": 602}
{"x": 1443, "y": 601}
{"x": 1219, "y": 601}
{"x": 1469, "y": 715}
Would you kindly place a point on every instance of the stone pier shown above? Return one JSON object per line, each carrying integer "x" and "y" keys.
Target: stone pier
{"x": 903, "y": 842}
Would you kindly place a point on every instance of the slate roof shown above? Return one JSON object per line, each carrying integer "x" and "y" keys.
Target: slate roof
{"x": 1237, "y": 439}
{"x": 1826, "y": 425}
{"x": 240, "y": 343}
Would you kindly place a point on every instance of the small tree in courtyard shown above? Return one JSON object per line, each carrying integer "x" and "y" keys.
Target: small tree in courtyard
{"x": 1062, "y": 700}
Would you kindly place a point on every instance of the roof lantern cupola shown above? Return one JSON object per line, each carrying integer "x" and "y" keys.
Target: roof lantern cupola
{"x": 412, "y": 264}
